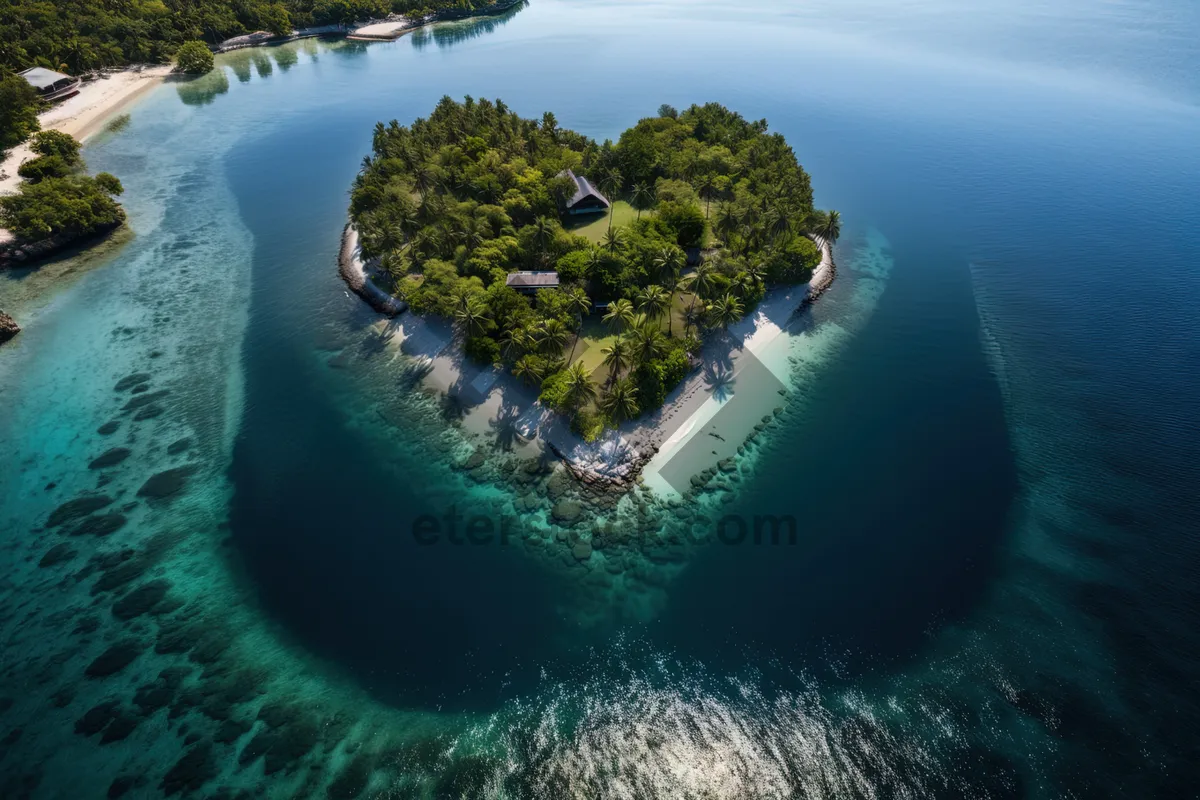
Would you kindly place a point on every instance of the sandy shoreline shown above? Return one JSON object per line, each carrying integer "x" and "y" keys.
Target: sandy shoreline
{"x": 84, "y": 114}
{"x": 494, "y": 400}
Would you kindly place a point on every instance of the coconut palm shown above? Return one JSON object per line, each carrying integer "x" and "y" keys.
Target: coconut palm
{"x": 544, "y": 231}
{"x": 578, "y": 303}
{"x": 700, "y": 282}
{"x": 579, "y": 389}
{"x": 728, "y": 221}
{"x": 620, "y": 401}
{"x": 830, "y": 227}
{"x": 614, "y": 239}
{"x": 647, "y": 343}
{"x": 725, "y": 311}
{"x": 669, "y": 263}
{"x": 642, "y": 195}
{"x": 529, "y": 369}
{"x": 617, "y": 357}
{"x": 552, "y": 336}
{"x": 620, "y": 315}
{"x": 515, "y": 341}
{"x": 653, "y": 301}
{"x": 777, "y": 221}
{"x": 611, "y": 184}
{"x": 706, "y": 185}
{"x": 473, "y": 316}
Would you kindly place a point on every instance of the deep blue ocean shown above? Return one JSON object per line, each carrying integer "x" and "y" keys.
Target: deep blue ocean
{"x": 991, "y": 442}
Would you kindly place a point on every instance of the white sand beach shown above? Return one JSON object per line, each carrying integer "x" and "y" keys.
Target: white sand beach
{"x": 84, "y": 114}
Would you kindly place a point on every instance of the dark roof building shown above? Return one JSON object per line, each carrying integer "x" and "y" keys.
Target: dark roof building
{"x": 51, "y": 85}
{"x": 532, "y": 281}
{"x": 587, "y": 199}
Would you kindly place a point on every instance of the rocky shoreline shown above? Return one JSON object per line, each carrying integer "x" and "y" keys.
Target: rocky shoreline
{"x": 21, "y": 254}
{"x": 354, "y": 273}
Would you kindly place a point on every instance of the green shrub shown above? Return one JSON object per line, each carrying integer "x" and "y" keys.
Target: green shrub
{"x": 194, "y": 58}
{"x": 74, "y": 206}
{"x": 483, "y": 349}
{"x": 44, "y": 167}
{"x": 656, "y": 378}
{"x": 793, "y": 263}
{"x": 587, "y": 425}
{"x": 686, "y": 220}
{"x": 56, "y": 143}
{"x": 554, "y": 390}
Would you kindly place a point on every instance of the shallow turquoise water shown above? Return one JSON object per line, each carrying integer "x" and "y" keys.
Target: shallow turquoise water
{"x": 989, "y": 442}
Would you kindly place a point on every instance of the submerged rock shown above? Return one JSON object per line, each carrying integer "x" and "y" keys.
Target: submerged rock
{"x": 100, "y": 525}
{"x": 153, "y": 696}
{"x": 108, "y": 428}
{"x": 582, "y": 550}
{"x": 149, "y": 412}
{"x": 121, "y": 726}
{"x": 57, "y": 555}
{"x": 115, "y": 659}
{"x": 130, "y": 381}
{"x": 110, "y": 458}
{"x": 97, "y": 718}
{"x": 141, "y": 600}
{"x": 178, "y": 446}
{"x": 8, "y": 327}
{"x": 120, "y": 786}
{"x": 195, "y": 769}
{"x": 143, "y": 400}
{"x": 231, "y": 730}
{"x": 567, "y": 511}
{"x": 74, "y": 509}
{"x": 166, "y": 483}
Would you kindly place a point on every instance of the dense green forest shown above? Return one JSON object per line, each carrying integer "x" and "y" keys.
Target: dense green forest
{"x": 453, "y": 204}
{"x": 80, "y": 35}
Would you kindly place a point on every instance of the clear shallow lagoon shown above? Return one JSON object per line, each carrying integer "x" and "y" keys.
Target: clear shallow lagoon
{"x": 990, "y": 441}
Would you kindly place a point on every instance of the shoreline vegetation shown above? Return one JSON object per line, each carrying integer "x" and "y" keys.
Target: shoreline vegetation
{"x": 720, "y": 248}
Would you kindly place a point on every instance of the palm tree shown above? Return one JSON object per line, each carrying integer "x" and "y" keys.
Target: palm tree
{"x": 830, "y": 228}
{"x": 579, "y": 387}
{"x": 528, "y": 368}
{"x": 620, "y": 401}
{"x": 640, "y": 195}
{"x": 653, "y": 301}
{"x": 706, "y": 185}
{"x": 778, "y": 223}
{"x": 669, "y": 262}
{"x": 614, "y": 239}
{"x": 550, "y": 126}
{"x": 726, "y": 311}
{"x": 579, "y": 304}
{"x": 617, "y": 357}
{"x": 552, "y": 336}
{"x": 543, "y": 236}
{"x": 620, "y": 315}
{"x": 424, "y": 178}
{"x": 700, "y": 282}
{"x": 611, "y": 184}
{"x": 728, "y": 221}
{"x": 647, "y": 342}
{"x": 514, "y": 341}
{"x": 473, "y": 315}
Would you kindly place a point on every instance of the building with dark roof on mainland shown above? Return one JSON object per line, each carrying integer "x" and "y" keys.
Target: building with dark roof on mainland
{"x": 587, "y": 199}
{"x": 51, "y": 85}
{"x": 530, "y": 282}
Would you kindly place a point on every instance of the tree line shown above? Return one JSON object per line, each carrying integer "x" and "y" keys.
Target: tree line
{"x": 77, "y": 36}
{"x": 454, "y": 203}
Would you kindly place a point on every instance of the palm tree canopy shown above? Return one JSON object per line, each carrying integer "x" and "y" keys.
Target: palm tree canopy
{"x": 620, "y": 401}
{"x": 579, "y": 387}
{"x": 620, "y": 314}
{"x": 653, "y": 301}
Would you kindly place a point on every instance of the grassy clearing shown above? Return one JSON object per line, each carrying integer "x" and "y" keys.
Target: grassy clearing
{"x": 595, "y": 226}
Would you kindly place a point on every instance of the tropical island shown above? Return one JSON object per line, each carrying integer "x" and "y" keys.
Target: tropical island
{"x": 591, "y": 271}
